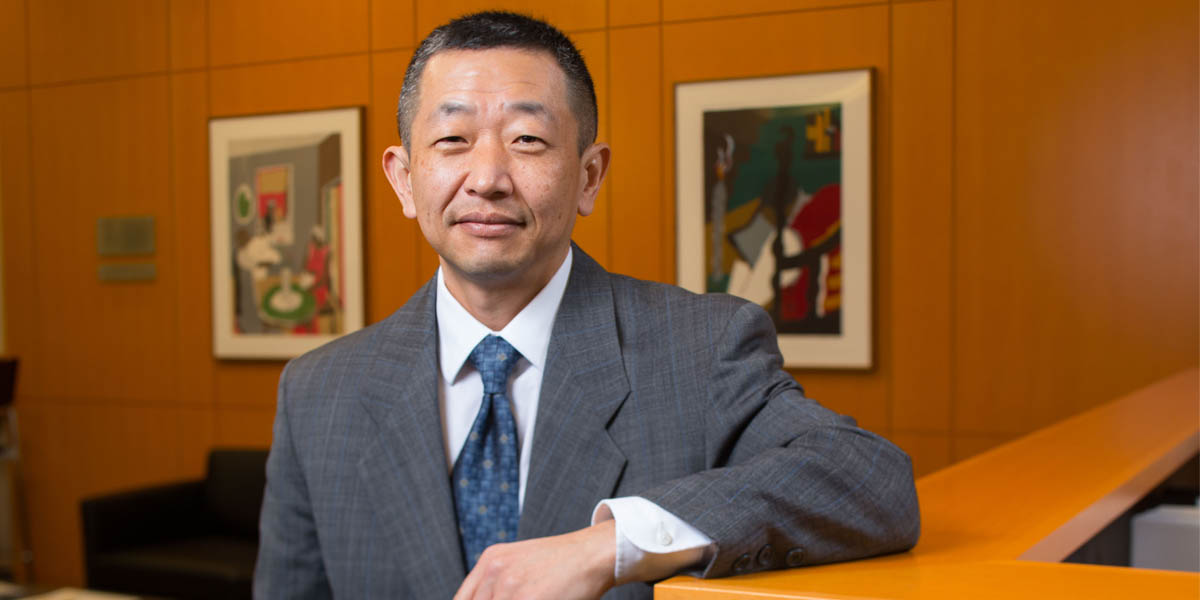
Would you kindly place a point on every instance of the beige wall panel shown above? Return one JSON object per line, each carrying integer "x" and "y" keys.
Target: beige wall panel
{"x": 640, "y": 212}
{"x": 244, "y": 426}
{"x": 392, "y": 267}
{"x": 633, "y": 12}
{"x": 568, "y": 16}
{"x": 929, "y": 451}
{"x": 921, "y": 250}
{"x": 248, "y": 383}
{"x": 592, "y": 232}
{"x": 678, "y": 10}
{"x": 84, "y": 40}
{"x": 834, "y": 40}
{"x": 14, "y": 63}
{"x": 74, "y": 451}
{"x": 188, "y": 34}
{"x": 107, "y": 340}
{"x": 1076, "y": 224}
{"x": 20, "y": 262}
{"x": 189, "y": 193}
{"x": 291, "y": 86}
{"x": 393, "y": 23}
{"x": 268, "y": 30}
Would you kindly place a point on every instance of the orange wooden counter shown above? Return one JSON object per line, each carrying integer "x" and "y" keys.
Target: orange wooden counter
{"x": 995, "y": 525}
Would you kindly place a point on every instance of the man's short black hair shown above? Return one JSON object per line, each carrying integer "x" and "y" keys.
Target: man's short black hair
{"x": 498, "y": 29}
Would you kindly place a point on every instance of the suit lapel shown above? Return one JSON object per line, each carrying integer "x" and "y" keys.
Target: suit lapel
{"x": 404, "y": 467}
{"x": 574, "y": 460}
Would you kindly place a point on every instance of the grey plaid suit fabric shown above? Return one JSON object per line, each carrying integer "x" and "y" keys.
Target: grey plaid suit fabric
{"x": 648, "y": 390}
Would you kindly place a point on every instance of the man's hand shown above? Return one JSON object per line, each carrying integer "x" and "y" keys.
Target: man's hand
{"x": 575, "y": 565}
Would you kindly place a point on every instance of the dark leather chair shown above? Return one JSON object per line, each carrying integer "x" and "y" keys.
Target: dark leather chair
{"x": 195, "y": 539}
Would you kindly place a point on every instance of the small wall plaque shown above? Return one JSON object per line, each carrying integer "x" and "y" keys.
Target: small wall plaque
{"x": 127, "y": 272}
{"x": 125, "y": 236}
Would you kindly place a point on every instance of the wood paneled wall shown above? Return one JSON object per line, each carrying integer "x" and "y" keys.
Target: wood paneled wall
{"x": 1035, "y": 203}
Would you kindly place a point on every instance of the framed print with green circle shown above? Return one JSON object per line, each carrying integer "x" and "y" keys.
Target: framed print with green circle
{"x": 286, "y": 200}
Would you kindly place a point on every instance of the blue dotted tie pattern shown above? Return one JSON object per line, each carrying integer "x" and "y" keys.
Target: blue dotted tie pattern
{"x": 485, "y": 477}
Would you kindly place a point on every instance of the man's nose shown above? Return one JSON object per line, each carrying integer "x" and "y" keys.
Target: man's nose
{"x": 489, "y": 177}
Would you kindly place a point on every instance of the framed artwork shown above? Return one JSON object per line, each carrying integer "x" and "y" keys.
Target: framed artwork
{"x": 287, "y": 273}
{"x": 773, "y": 180}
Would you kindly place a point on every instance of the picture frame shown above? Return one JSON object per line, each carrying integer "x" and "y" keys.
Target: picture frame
{"x": 286, "y": 204}
{"x": 785, "y": 159}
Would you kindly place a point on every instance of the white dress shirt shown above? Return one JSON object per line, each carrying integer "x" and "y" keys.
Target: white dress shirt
{"x": 651, "y": 542}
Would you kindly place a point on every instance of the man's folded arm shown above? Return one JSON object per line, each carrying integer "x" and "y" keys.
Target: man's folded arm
{"x": 289, "y": 555}
{"x": 790, "y": 483}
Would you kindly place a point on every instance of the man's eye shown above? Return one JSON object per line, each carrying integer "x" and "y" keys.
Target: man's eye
{"x": 452, "y": 139}
{"x": 527, "y": 139}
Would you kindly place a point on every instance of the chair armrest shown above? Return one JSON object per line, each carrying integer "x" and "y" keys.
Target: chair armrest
{"x": 143, "y": 516}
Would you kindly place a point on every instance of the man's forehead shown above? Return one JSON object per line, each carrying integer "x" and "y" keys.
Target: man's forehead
{"x": 495, "y": 65}
{"x": 453, "y": 106}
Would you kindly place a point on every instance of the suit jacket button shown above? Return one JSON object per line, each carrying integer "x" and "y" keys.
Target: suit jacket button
{"x": 766, "y": 556}
{"x": 795, "y": 557}
{"x": 742, "y": 564}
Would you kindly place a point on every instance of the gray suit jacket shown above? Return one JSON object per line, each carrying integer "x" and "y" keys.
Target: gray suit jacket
{"x": 648, "y": 390}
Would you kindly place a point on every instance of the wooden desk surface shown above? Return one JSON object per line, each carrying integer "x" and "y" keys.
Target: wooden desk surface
{"x": 992, "y": 525}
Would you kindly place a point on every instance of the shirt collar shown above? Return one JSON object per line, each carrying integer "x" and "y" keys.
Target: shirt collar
{"x": 528, "y": 332}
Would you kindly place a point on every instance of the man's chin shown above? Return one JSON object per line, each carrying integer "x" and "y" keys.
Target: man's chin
{"x": 487, "y": 268}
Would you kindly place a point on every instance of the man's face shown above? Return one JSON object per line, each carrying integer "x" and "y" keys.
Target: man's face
{"x": 493, "y": 174}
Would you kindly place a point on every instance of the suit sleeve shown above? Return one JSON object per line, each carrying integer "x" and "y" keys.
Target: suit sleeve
{"x": 289, "y": 553}
{"x": 789, "y": 482}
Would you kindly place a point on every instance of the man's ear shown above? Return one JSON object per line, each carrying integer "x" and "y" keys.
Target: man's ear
{"x": 594, "y": 164}
{"x": 399, "y": 174}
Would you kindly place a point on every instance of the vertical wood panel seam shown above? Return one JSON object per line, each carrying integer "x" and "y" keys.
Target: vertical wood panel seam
{"x": 418, "y": 239}
{"x": 415, "y": 33}
{"x": 208, "y": 46}
{"x": 28, "y": 50}
{"x": 610, "y": 238}
{"x": 172, "y": 202}
{"x": 365, "y": 200}
{"x": 208, "y": 103}
{"x": 666, "y": 268}
{"x": 952, "y": 289}
{"x": 31, "y": 193}
{"x": 167, "y": 41}
{"x": 665, "y": 271}
{"x": 888, "y": 384}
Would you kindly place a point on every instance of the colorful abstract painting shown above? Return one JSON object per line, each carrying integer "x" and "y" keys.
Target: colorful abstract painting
{"x": 773, "y": 212}
{"x": 773, "y": 182}
{"x": 288, "y": 274}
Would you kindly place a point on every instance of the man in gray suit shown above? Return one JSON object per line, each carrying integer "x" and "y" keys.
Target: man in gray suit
{"x": 529, "y": 425}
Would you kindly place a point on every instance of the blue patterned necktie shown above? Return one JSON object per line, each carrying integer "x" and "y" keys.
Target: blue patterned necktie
{"x": 485, "y": 475}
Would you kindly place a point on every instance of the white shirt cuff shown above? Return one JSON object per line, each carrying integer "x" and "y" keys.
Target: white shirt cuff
{"x": 651, "y": 542}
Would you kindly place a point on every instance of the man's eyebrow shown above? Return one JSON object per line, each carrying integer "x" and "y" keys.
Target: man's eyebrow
{"x": 530, "y": 107}
{"x": 451, "y": 107}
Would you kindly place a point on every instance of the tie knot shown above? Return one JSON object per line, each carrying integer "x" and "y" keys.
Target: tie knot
{"x": 494, "y": 358}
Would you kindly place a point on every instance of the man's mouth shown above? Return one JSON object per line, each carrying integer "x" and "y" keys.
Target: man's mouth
{"x": 489, "y": 224}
